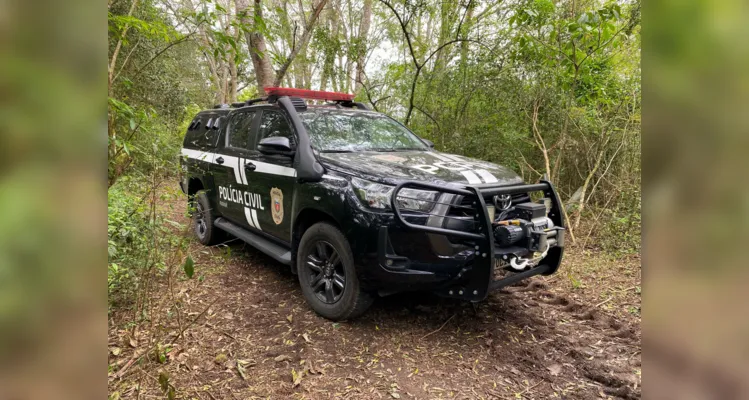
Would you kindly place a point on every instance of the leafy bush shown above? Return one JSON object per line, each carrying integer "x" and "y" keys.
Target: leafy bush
{"x": 129, "y": 231}
{"x": 623, "y": 228}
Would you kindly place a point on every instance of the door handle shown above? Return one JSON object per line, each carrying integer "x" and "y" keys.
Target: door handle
{"x": 250, "y": 166}
{"x": 220, "y": 160}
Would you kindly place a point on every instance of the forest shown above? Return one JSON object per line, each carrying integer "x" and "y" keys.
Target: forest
{"x": 548, "y": 88}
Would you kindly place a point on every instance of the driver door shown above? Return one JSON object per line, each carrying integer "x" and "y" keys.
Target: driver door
{"x": 273, "y": 176}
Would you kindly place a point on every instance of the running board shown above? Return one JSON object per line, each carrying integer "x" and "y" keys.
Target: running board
{"x": 279, "y": 253}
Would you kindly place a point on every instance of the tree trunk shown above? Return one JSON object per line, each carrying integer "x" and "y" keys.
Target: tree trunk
{"x": 232, "y": 81}
{"x": 362, "y": 43}
{"x": 114, "y": 170}
{"x": 256, "y": 44}
{"x": 545, "y": 152}
{"x": 466, "y": 30}
{"x": 233, "y": 60}
{"x": 302, "y": 44}
{"x": 329, "y": 52}
{"x": 118, "y": 46}
{"x": 447, "y": 16}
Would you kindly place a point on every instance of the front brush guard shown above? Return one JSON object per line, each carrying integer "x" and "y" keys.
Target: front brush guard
{"x": 476, "y": 279}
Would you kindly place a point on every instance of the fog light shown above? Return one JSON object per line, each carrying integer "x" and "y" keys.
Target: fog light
{"x": 389, "y": 263}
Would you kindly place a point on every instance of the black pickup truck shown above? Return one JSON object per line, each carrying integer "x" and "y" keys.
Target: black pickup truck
{"x": 359, "y": 206}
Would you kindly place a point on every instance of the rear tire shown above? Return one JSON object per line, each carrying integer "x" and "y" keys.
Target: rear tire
{"x": 327, "y": 274}
{"x": 202, "y": 220}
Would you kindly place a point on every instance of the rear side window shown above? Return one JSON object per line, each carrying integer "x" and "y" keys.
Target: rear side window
{"x": 239, "y": 130}
{"x": 201, "y": 134}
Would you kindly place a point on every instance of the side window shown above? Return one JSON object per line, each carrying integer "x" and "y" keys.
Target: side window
{"x": 203, "y": 131}
{"x": 239, "y": 130}
{"x": 194, "y": 136}
{"x": 273, "y": 124}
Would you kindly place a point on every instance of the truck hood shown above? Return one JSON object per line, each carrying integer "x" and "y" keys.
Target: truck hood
{"x": 425, "y": 166}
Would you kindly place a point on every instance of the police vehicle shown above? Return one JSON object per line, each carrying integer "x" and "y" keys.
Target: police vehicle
{"x": 359, "y": 206}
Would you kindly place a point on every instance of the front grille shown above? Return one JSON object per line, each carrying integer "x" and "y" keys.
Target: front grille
{"x": 463, "y": 206}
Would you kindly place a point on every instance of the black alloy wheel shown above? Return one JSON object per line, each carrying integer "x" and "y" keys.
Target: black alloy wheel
{"x": 203, "y": 218}
{"x": 327, "y": 275}
{"x": 201, "y": 227}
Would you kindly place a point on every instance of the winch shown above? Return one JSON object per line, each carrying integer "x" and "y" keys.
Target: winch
{"x": 526, "y": 229}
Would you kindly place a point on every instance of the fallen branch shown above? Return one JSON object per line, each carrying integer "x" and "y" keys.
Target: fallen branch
{"x": 603, "y": 302}
{"x": 439, "y": 329}
{"x": 529, "y": 388}
{"x": 138, "y": 354}
{"x": 182, "y": 331}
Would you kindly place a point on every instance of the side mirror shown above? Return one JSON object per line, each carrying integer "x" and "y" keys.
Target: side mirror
{"x": 428, "y": 143}
{"x": 276, "y": 145}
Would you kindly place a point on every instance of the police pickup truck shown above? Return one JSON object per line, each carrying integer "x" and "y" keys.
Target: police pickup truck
{"x": 359, "y": 206}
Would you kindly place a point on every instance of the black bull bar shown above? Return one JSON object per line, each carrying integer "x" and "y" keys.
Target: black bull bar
{"x": 477, "y": 278}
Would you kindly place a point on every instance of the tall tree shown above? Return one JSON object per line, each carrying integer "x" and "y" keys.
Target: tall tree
{"x": 330, "y": 44}
{"x": 254, "y": 27}
{"x": 302, "y": 44}
{"x": 361, "y": 45}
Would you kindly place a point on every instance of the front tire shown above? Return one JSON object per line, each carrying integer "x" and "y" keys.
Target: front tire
{"x": 203, "y": 217}
{"x": 327, "y": 274}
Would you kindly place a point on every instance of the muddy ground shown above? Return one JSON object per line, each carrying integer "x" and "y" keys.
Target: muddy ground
{"x": 247, "y": 333}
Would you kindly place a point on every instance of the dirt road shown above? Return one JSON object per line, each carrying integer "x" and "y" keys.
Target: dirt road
{"x": 254, "y": 337}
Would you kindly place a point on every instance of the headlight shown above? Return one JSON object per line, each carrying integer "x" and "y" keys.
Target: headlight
{"x": 372, "y": 194}
{"x": 418, "y": 200}
{"x": 376, "y": 195}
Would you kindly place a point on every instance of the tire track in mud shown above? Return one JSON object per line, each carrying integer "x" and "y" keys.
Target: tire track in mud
{"x": 588, "y": 328}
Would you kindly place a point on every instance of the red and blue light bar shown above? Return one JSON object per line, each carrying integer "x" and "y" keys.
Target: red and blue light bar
{"x": 308, "y": 94}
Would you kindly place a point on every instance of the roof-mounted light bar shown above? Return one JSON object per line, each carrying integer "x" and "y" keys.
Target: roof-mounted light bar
{"x": 308, "y": 94}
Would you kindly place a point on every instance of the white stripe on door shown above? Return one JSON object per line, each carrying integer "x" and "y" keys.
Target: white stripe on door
{"x": 273, "y": 169}
{"x": 242, "y": 171}
{"x": 197, "y": 155}
{"x": 251, "y": 215}
{"x": 231, "y": 161}
{"x": 248, "y": 215}
{"x": 254, "y": 218}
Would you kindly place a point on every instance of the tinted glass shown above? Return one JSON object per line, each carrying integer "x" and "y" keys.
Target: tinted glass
{"x": 239, "y": 130}
{"x": 343, "y": 131}
{"x": 198, "y": 136}
{"x": 274, "y": 124}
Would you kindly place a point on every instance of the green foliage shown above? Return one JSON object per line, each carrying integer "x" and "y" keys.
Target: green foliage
{"x": 622, "y": 227}
{"x": 158, "y": 30}
{"x": 151, "y": 87}
{"x": 129, "y": 231}
{"x": 567, "y": 72}
{"x": 140, "y": 239}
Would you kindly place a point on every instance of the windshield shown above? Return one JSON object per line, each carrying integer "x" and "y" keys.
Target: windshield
{"x": 349, "y": 131}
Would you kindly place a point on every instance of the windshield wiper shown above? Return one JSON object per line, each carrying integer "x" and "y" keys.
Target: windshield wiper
{"x": 336, "y": 151}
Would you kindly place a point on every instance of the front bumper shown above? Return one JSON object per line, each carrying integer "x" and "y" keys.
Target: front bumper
{"x": 470, "y": 274}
